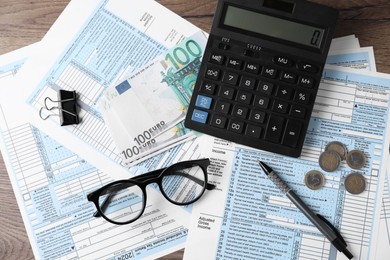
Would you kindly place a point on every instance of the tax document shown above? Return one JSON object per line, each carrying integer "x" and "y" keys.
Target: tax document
{"x": 248, "y": 217}
{"x": 51, "y": 182}
{"x": 87, "y": 52}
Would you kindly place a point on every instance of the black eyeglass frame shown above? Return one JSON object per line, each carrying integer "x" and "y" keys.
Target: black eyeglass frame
{"x": 145, "y": 179}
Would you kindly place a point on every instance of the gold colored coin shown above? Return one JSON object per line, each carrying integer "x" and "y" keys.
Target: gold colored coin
{"x": 356, "y": 159}
{"x": 314, "y": 179}
{"x": 329, "y": 161}
{"x": 338, "y": 147}
{"x": 355, "y": 183}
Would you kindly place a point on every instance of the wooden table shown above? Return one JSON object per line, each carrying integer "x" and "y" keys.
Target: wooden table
{"x": 23, "y": 22}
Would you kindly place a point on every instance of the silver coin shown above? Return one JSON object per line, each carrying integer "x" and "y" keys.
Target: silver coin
{"x": 314, "y": 179}
{"x": 338, "y": 147}
{"x": 356, "y": 159}
{"x": 355, "y": 183}
{"x": 329, "y": 161}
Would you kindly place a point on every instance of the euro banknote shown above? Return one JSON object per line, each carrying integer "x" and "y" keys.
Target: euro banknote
{"x": 145, "y": 112}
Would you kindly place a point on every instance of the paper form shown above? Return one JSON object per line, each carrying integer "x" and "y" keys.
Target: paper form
{"x": 61, "y": 179}
{"x": 345, "y": 42}
{"x": 357, "y": 58}
{"x": 51, "y": 182}
{"x": 256, "y": 221}
{"x": 383, "y": 248}
{"x": 110, "y": 39}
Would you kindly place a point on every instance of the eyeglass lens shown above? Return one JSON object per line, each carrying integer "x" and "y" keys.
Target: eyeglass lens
{"x": 123, "y": 202}
{"x": 184, "y": 185}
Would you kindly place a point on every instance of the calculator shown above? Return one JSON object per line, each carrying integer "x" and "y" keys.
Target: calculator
{"x": 260, "y": 72}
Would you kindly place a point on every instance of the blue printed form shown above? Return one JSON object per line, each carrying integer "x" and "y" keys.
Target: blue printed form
{"x": 257, "y": 221}
{"x": 51, "y": 183}
{"x": 113, "y": 40}
{"x": 50, "y": 180}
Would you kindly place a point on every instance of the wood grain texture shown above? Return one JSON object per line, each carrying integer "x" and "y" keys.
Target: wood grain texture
{"x": 23, "y": 22}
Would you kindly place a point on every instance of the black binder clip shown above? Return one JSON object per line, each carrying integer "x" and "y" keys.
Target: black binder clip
{"x": 67, "y": 106}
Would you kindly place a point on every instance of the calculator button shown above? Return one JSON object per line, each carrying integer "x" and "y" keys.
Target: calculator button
{"x": 236, "y": 126}
{"x": 216, "y": 58}
{"x": 253, "y": 131}
{"x": 252, "y": 67}
{"x": 302, "y": 97}
{"x": 257, "y": 116}
{"x": 203, "y": 102}
{"x": 230, "y": 78}
{"x": 307, "y": 67}
{"x": 222, "y": 107}
{"x": 248, "y": 82}
{"x": 280, "y": 106}
{"x": 208, "y": 88}
{"x": 218, "y": 121}
{"x": 291, "y": 133}
{"x": 282, "y": 61}
{"x": 288, "y": 77}
{"x": 234, "y": 63}
{"x": 212, "y": 73}
{"x": 284, "y": 92}
{"x": 224, "y": 46}
{"x": 240, "y": 111}
{"x": 274, "y": 129}
{"x": 226, "y": 92}
{"x": 199, "y": 116}
{"x": 261, "y": 102}
{"x": 244, "y": 97}
{"x": 306, "y": 82}
{"x": 298, "y": 111}
{"x": 265, "y": 87}
{"x": 269, "y": 72}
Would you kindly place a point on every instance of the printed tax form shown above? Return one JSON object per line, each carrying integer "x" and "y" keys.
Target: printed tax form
{"x": 256, "y": 221}
{"x": 89, "y": 51}
{"x": 50, "y": 183}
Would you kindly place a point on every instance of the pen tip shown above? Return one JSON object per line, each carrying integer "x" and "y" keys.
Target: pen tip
{"x": 265, "y": 167}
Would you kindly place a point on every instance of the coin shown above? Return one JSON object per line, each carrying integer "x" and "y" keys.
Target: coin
{"x": 355, "y": 183}
{"x": 329, "y": 161}
{"x": 338, "y": 147}
{"x": 356, "y": 159}
{"x": 314, "y": 179}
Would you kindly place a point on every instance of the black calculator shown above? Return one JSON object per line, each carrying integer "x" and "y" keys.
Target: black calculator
{"x": 260, "y": 72}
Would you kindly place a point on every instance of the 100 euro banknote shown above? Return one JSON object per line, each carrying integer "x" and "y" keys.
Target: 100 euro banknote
{"x": 145, "y": 112}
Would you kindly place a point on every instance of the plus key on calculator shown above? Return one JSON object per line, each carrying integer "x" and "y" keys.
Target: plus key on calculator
{"x": 260, "y": 73}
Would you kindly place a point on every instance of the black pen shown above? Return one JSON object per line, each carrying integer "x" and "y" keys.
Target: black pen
{"x": 326, "y": 228}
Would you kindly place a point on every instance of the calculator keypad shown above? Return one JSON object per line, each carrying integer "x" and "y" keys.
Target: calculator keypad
{"x": 257, "y": 98}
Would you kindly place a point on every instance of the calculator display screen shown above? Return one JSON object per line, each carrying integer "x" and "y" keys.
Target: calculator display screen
{"x": 272, "y": 26}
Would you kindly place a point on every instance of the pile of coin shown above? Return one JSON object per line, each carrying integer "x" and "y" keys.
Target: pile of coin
{"x": 335, "y": 152}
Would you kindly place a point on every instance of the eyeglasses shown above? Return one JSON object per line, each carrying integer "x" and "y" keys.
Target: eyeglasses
{"x": 123, "y": 202}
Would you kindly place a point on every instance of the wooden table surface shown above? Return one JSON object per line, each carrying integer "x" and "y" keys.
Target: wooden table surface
{"x": 23, "y": 22}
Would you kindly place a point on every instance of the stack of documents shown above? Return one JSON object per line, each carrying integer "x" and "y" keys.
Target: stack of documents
{"x": 107, "y": 53}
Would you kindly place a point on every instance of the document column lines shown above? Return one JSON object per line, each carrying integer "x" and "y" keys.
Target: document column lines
{"x": 92, "y": 129}
{"x": 385, "y": 211}
{"x": 26, "y": 162}
{"x": 355, "y": 226}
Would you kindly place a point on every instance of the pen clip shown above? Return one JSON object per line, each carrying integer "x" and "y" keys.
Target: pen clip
{"x": 333, "y": 228}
